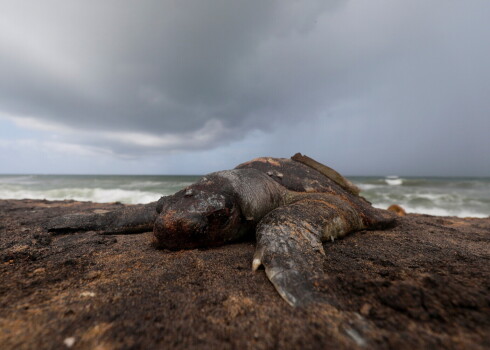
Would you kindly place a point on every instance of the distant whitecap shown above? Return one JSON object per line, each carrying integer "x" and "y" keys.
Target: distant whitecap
{"x": 393, "y": 180}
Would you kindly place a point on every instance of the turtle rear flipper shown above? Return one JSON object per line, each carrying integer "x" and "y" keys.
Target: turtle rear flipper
{"x": 289, "y": 245}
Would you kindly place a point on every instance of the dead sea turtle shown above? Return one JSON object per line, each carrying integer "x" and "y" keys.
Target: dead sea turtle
{"x": 292, "y": 205}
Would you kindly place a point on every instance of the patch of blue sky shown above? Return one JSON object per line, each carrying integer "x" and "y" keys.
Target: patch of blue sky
{"x": 10, "y": 131}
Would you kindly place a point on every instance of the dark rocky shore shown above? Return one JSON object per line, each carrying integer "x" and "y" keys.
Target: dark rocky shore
{"x": 422, "y": 284}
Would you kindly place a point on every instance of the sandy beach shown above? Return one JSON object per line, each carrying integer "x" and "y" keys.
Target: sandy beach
{"x": 422, "y": 284}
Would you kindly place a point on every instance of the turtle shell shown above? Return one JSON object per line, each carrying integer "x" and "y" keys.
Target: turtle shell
{"x": 294, "y": 175}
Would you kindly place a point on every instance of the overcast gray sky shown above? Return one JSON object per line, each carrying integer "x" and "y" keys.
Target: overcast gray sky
{"x": 157, "y": 87}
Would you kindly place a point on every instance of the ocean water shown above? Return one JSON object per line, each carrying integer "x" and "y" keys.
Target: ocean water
{"x": 464, "y": 197}
{"x": 96, "y": 188}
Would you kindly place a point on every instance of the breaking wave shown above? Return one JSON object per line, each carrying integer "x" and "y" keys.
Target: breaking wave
{"x": 464, "y": 197}
{"x": 84, "y": 194}
{"x": 393, "y": 180}
{"x": 124, "y": 189}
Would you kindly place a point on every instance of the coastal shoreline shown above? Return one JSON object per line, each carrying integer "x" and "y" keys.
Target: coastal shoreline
{"x": 423, "y": 283}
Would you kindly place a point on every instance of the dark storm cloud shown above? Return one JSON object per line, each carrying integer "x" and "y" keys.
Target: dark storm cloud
{"x": 148, "y": 76}
{"x": 157, "y": 67}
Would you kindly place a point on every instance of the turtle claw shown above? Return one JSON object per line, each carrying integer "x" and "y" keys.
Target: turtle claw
{"x": 256, "y": 263}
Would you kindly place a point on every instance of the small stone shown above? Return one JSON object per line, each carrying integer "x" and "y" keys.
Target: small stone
{"x": 87, "y": 294}
{"x": 39, "y": 270}
{"x": 101, "y": 211}
{"x": 365, "y": 309}
{"x": 69, "y": 341}
{"x": 92, "y": 275}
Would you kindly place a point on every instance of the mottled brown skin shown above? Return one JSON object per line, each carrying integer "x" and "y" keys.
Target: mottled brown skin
{"x": 204, "y": 214}
{"x": 291, "y": 207}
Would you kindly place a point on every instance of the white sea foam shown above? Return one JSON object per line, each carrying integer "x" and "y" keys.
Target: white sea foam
{"x": 466, "y": 197}
{"x": 436, "y": 211}
{"x": 393, "y": 180}
{"x": 434, "y": 196}
{"x": 125, "y": 189}
{"x": 85, "y": 194}
{"x": 367, "y": 187}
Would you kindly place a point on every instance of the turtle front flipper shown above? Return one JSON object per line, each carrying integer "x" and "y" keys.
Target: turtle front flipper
{"x": 289, "y": 244}
{"x": 130, "y": 219}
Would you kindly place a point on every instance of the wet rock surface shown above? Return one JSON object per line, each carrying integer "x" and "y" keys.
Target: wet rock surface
{"x": 424, "y": 283}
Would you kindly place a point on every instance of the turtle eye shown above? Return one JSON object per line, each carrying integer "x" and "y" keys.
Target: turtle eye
{"x": 219, "y": 218}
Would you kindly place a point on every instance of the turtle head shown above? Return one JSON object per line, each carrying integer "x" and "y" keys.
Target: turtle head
{"x": 197, "y": 216}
